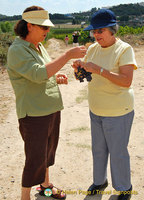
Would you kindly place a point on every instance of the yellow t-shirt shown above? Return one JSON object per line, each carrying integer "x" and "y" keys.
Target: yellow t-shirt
{"x": 106, "y": 98}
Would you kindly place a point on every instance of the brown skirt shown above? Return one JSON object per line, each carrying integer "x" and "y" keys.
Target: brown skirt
{"x": 40, "y": 135}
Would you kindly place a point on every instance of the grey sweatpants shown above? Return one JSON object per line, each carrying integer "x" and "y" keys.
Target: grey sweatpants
{"x": 110, "y": 136}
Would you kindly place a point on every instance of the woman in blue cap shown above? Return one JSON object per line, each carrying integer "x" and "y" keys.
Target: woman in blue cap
{"x": 111, "y": 103}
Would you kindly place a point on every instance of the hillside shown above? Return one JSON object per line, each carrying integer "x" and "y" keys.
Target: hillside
{"x": 142, "y": 3}
{"x": 124, "y": 11}
{"x": 128, "y": 9}
{"x": 9, "y": 18}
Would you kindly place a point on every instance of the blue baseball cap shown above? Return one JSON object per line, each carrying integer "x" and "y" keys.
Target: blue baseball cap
{"x": 101, "y": 19}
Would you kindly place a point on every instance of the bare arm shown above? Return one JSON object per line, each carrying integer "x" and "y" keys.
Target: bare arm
{"x": 57, "y": 64}
{"x": 123, "y": 78}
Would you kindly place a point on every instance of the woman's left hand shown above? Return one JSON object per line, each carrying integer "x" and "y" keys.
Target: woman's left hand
{"x": 61, "y": 79}
{"x": 91, "y": 67}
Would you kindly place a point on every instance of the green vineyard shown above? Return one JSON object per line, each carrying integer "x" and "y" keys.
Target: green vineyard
{"x": 7, "y": 35}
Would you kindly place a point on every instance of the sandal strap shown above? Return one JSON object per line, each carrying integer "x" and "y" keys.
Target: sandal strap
{"x": 49, "y": 187}
{"x": 59, "y": 195}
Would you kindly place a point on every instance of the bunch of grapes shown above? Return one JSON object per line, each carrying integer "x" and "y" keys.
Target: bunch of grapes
{"x": 82, "y": 73}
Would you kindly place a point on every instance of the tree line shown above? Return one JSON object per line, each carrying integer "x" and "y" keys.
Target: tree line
{"x": 123, "y": 11}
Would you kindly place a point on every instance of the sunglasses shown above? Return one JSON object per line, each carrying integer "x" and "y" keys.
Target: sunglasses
{"x": 44, "y": 27}
{"x": 98, "y": 31}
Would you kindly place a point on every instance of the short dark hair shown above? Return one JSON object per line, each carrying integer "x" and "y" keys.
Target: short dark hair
{"x": 20, "y": 28}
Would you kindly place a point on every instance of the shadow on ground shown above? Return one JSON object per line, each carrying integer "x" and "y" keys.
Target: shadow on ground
{"x": 99, "y": 197}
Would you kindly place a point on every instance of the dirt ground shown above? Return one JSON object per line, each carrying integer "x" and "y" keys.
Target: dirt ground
{"x": 73, "y": 168}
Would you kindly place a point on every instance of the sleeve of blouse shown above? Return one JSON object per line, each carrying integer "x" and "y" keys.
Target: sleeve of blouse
{"x": 22, "y": 62}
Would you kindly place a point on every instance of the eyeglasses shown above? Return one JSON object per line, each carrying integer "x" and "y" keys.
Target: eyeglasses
{"x": 98, "y": 31}
{"x": 44, "y": 27}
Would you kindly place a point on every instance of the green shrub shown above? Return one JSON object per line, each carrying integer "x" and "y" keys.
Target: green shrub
{"x": 6, "y": 27}
{"x": 6, "y": 40}
{"x": 123, "y": 30}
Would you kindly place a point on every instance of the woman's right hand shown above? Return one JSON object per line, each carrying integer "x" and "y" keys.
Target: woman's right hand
{"x": 57, "y": 64}
{"x": 76, "y": 52}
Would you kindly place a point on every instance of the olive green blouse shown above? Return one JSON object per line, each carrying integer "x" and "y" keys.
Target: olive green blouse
{"x": 36, "y": 94}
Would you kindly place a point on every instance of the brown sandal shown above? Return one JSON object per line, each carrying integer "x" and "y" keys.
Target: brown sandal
{"x": 59, "y": 195}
